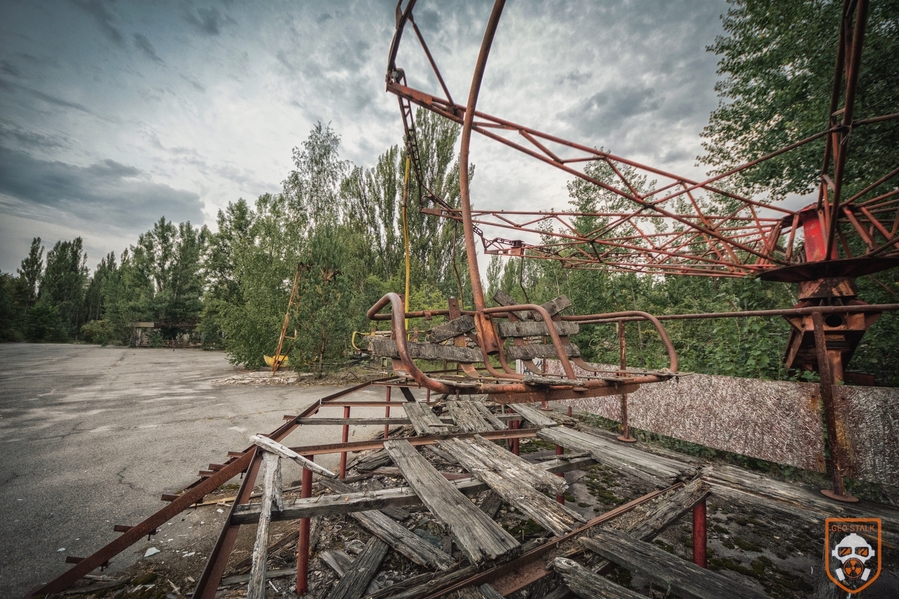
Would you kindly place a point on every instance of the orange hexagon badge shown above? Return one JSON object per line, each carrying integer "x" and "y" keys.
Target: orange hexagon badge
{"x": 850, "y": 556}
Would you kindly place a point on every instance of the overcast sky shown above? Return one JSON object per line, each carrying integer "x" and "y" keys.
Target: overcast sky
{"x": 113, "y": 114}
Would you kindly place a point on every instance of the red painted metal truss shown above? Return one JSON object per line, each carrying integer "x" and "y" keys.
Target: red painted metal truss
{"x": 679, "y": 226}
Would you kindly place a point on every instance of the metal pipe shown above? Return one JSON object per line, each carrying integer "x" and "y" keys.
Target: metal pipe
{"x": 464, "y": 191}
{"x": 344, "y": 438}
{"x": 700, "y": 538}
{"x": 303, "y": 542}
{"x": 613, "y": 317}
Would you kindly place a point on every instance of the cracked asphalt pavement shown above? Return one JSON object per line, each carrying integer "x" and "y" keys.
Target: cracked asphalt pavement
{"x": 92, "y": 436}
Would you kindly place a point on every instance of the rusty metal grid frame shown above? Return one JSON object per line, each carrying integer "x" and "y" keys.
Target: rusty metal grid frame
{"x": 723, "y": 234}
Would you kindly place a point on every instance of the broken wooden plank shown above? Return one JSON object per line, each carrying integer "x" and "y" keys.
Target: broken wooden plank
{"x": 286, "y": 452}
{"x": 467, "y": 417}
{"x": 534, "y": 350}
{"x": 478, "y": 536}
{"x": 424, "y": 420}
{"x": 271, "y": 497}
{"x": 501, "y": 475}
{"x": 682, "y": 577}
{"x": 588, "y": 585}
{"x": 339, "y": 561}
{"x": 411, "y": 545}
{"x": 372, "y": 460}
{"x": 489, "y": 416}
{"x": 491, "y": 504}
{"x": 425, "y": 351}
{"x": 450, "y": 329}
{"x": 554, "y": 307}
{"x": 654, "y": 469}
{"x": 491, "y": 456}
{"x": 364, "y": 570}
{"x": 329, "y": 505}
{"x": 533, "y": 415}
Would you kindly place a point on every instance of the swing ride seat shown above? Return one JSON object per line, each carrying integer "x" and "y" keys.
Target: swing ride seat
{"x": 483, "y": 343}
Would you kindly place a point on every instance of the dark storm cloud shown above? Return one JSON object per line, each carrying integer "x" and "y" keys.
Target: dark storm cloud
{"x": 143, "y": 44}
{"x": 8, "y": 68}
{"x": 607, "y": 111}
{"x": 206, "y": 20}
{"x": 32, "y": 139}
{"x": 106, "y": 193}
{"x": 11, "y": 87}
{"x": 99, "y": 12}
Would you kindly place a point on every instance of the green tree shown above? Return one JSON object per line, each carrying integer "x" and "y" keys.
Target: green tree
{"x": 777, "y": 62}
{"x": 63, "y": 285}
{"x": 32, "y": 269}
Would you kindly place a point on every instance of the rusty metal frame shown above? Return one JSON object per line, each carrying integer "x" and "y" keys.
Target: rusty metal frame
{"x": 701, "y": 241}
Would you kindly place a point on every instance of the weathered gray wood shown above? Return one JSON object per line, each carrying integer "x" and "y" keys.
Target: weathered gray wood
{"x": 484, "y": 454}
{"x": 533, "y": 415}
{"x": 394, "y": 471}
{"x": 488, "y": 592}
{"x": 588, "y": 585}
{"x": 364, "y": 570}
{"x": 269, "y": 574}
{"x": 673, "y": 507}
{"x": 441, "y": 454}
{"x": 371, "y": 460}
{"x": 509, "y": 479}
{"x": 411, "y": 545}
{"x": 286, "y": 452}
{"x": 425, "y": 351}
{"x": 467, "y": 417}
{"x": 339, "y": 561}
{"x": 554, "y": 307}
{"x": 531, "y": 351}
{"x": 424, "y": 584}
{"x": 684, "y": 578}
{"x": 536, "y": 329}
{"x": 491, "y": 504}
{"x": 424, "y": 420}
{"x": 654, "y": 469}
{"x": 478, "y": 536}
{"x": 489, "y": 416}
{"x": 560, "y": 592}
{"x": 271, "y": 496}
{"x": 450, "y": 329}
{"x": 329, "y": 505}
{"x": 785, "y": 497}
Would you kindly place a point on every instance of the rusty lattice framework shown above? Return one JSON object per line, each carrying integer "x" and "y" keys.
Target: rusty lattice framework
{"x": 680, "y": 226}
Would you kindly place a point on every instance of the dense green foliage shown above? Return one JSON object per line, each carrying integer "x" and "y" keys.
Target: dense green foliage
{"x": 777, "y": 62}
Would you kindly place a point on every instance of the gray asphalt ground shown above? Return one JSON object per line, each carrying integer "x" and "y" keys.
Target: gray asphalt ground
{"x": 91, "y": 436}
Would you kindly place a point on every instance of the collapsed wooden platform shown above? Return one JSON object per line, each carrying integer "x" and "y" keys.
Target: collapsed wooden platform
{"x": 457, "y": 461}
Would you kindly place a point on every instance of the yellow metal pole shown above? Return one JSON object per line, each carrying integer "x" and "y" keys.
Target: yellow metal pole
{"x": 406, "y": 237}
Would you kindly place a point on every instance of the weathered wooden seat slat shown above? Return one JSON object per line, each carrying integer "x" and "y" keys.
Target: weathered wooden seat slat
{"x": 533, "y": 415}
{"x": 450, "y": 329}
{"x": 476, "y": 534}
{"x": 426, "y": 351}
{"x": 531, "y": 351}
{"x": 504, "y": 474}
{"x": 424, "y": 420}
{"x": 683, "y": 578}
{"x": 535, "y": 329}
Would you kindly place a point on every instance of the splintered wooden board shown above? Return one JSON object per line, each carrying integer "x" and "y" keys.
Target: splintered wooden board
{"x": 651, "y": 468}
{"x": 477, "y": 535}
{"x": 508, "y": 475}
{"x": 424, "y": 420}
{"x": 467, "y": 417}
